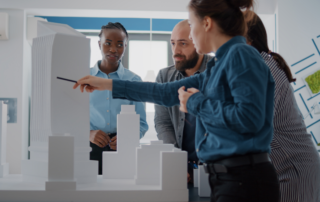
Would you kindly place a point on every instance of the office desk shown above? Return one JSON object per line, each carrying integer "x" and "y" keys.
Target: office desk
{"x": 16, "y": 183}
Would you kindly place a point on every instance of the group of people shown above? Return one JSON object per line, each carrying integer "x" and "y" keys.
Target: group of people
{"x": 234, "y": 112}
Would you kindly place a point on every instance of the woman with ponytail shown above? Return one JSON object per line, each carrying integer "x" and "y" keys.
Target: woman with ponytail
{"x": 232, "y": 101}
{"x": 292, "y": 151}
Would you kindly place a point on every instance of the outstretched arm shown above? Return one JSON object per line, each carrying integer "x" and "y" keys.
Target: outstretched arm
{"x": 162, "y": 94}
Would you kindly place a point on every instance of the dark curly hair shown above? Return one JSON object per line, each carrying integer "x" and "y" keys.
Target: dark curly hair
{"x": 116, "y": 25}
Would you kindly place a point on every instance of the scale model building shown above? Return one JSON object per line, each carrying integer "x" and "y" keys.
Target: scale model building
{"x": 59, "y": 168}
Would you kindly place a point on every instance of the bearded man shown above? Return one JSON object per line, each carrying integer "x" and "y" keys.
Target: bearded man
{"x": 172, "y": 125}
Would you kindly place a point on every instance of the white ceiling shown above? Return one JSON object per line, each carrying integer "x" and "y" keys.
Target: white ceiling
{"x": 116, "y": 8}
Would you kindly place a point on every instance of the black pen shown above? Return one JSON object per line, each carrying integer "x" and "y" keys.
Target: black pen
{"x": 67, "y": 79}
{"x": 73, "y": 81}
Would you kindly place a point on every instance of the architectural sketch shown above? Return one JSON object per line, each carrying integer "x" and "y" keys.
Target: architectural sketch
{"x": 307, "y": 101}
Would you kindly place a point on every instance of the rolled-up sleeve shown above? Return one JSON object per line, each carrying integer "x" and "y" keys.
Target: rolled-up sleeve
{"x": 248, "y": 87}
{"x": 165, "y": 94}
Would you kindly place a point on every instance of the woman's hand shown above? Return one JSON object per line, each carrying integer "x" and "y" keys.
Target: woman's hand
{"x": 184, "y": 96}
{"x": 99, "y": 138}
{"x": 91, "y": 83}
{"x": 113, "y": 143}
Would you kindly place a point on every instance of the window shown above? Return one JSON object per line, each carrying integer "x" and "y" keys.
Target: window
{"x": 95, "y": 50}
{"x": 147, "y": 56}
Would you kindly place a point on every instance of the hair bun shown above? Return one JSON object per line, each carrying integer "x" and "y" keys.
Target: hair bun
{"x": 242, "y": 4}
{"x": 226, "y": 13}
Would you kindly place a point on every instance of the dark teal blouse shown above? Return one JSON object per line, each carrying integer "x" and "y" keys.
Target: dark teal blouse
{"x": 234, "y": 108}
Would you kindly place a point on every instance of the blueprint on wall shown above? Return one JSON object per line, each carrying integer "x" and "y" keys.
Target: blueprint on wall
{"x": 303, "y": 67}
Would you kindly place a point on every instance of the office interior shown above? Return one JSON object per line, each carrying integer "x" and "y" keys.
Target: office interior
{"x": 292, "y": 26}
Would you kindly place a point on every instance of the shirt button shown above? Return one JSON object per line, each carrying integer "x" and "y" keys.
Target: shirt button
{"x": 216, "y": 59}
{"x": 108, "y": 124}
{"x": 205, "y": 135}
{"x": 107, "y": 98}
{"x": 197, "y": 150}
{"x": 107, "y": 110}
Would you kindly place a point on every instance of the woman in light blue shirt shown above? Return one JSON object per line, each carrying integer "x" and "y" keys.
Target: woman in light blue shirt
{"x": 232, "y": 101}
{"x": 103, "y": 107}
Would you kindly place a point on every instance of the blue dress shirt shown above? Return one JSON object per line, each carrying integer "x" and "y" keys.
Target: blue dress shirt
{"x": 104, "y": 108}
{"x": 234, "y": 108}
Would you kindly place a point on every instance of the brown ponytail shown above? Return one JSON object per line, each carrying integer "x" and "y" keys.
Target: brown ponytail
{"x": 226, "y": 13}
{"x": 257, "y": 36}
{"x": 283, "y": 65}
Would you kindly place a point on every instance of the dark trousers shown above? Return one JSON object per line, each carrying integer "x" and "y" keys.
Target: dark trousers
{"x": 191, "y": 167}
{"x": 250, "y": 183}
{"x": 96, "y": 153}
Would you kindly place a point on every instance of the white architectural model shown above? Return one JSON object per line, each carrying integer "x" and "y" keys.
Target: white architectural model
{"x": 4, "y": 166}
{"x": 148, "y": 161}
{"x": 61, "y": 164}
{"x": 122, "y": 164}
{"x": 200, "y": 180}
{"x": 195, "y": 177}
{"x": 204, "y": 189}
{"x": 56, "y": 109}
{"x": 60, "y": 138}
{"x": 160, "y": 173}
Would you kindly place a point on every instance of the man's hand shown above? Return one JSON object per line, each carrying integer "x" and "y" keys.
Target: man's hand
{"x": 99, "y": 138}
{"x": 113, "y": 143}
{"x": 184, "y": 96}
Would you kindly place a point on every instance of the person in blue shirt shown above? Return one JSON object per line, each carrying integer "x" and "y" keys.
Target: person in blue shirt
{"x": 232, "y": 101}
{"x": 103, "y": 107}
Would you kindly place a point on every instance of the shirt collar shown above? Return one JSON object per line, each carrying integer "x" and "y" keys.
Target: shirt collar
{"x": 225, "y": 47}
{"x": 119, "y": 72}
{"x": 96, "y": 69}
{"x": 203, "y": 64}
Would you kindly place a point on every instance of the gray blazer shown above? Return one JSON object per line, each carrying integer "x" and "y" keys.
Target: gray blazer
{"x": 169, "y": 121}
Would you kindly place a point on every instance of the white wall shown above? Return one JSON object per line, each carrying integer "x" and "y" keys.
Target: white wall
{"x": 11, "y": 83}
{"x": 298, "y": 24}
{"x": 265, "y": 7}
{"x": 137, "y": 5}
{"x": 262, "y": 6}
{"x": 269, "y": 23}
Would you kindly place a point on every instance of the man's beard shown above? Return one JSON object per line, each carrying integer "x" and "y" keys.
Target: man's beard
{"x": 185, "y": 64}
